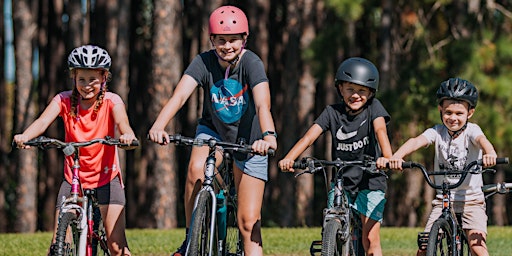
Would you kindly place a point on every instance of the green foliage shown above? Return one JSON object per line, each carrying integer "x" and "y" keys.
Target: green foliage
{"x": 347, "y": 8}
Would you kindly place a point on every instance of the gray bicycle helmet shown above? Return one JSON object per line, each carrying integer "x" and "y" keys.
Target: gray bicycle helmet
{"x": 358, "y": 71}
{"x": 459, "y": 89}
{"x": 89, "y": 56}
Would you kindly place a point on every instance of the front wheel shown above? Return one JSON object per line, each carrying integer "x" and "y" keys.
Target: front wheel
{"x": 333, "y": 242}
{"x": 200, "y": 233}
{"x": 440, "y": 239}
{"x": 67, "y": 237}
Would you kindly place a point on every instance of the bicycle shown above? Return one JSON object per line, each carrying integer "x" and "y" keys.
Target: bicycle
{"x": 80, "y": 227}
{"x": 214, "y": 226}
{"x": 341, "y": 227}
{"x": 447, "y": 237}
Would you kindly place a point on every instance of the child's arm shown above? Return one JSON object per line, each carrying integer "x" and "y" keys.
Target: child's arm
{"x": 411, "y": 145}
{"x": 122, "y": 123}
{"x": 39, "y": 125}
{"x": 261, "y": 93}
{"x": 379, "y": 125}
{"x": 309, "y": 138}
{"x": 182, "y": 92}
{"x": 489, "y": 154}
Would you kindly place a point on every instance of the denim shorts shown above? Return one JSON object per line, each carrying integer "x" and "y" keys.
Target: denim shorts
{"x": 111, "y": 193}
{"x": 370, "y": 203}
{"x": 255, "y": 166}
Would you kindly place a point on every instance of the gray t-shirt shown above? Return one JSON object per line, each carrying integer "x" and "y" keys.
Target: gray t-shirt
{"x": 455, "y": 154}
{"x": 228, "y": 106}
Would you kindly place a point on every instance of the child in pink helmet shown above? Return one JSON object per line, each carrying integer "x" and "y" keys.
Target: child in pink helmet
{"x": 236, "y": 105}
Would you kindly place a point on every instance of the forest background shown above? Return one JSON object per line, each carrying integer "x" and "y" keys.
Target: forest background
{"x": 415, "y": 44}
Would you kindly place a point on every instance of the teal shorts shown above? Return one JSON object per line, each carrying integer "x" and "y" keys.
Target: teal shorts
{"x": 370, "y": 203}
{"x": 255, "y": 166}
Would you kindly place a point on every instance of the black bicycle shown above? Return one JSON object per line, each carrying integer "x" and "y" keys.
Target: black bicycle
{"x": 341, "y": 228}
{"x": 80, "y": 227}
{"x": 447, "y": 237}
{"x": 214, "y": 225}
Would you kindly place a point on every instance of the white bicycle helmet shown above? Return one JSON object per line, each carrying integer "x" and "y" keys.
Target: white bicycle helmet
{"x": 89, "y": 56}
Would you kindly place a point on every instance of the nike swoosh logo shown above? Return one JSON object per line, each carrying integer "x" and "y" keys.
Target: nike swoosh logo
{"x": 340, "y": 135}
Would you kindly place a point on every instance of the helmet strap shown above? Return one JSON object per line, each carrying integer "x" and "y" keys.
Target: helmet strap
{"x": 233, "y": 62}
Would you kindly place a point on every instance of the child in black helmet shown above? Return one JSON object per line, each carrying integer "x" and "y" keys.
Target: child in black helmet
{"x": 359, "y": 128}
{"x": 457, "y": 142}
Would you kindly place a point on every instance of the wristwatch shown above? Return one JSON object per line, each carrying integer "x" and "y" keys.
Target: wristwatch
{"x": 266, "y": 133}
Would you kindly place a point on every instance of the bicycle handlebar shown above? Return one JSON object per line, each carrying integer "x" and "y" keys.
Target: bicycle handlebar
{"x": 311, "y": 165}
{"x": 501, "y": 188}
{"x": 241, "y": 147}
{"x": 463, "y": 173}
{"x": 69, "y": 148}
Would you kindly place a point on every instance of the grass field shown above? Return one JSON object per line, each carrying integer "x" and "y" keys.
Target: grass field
{"x": 277, "y": 241}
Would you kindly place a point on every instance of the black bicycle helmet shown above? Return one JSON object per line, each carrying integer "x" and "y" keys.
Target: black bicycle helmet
{"x": 459, "y": 89}
{"x": 89, "y": 56}
{"x": 358, "y": 71}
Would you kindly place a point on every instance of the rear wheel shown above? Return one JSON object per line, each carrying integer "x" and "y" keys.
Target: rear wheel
{"x": 200, "y": 227}
{"x": 440, "y": 239}
{"x": 333, "y": 242}
{"x": 233, "y": 243}
{"x": 67, "y": 237}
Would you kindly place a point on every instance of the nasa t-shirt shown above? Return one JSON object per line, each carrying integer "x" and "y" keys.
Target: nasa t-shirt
{"x": 353, "y": 138}
{"x": 228, "y": 106}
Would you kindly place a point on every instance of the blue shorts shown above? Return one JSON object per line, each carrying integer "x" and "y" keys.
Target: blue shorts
{"x": 255, "y": 166}
{"x": 370, "y": 203}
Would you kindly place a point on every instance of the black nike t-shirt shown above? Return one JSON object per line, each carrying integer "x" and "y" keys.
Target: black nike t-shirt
{"x": 352, "y": 139}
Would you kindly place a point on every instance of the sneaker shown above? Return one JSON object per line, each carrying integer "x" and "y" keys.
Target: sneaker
{"x": 181, "y": 250}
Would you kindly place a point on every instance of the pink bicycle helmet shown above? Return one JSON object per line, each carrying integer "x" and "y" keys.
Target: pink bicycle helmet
{"x": 228, "y": 20}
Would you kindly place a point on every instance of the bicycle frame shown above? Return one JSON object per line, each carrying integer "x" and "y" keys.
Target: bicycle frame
{"x": 341, "y": 212}
{"x": 81, "y": 203}
{"x": 214, "y": 184}
{"x": 458, "y": 236}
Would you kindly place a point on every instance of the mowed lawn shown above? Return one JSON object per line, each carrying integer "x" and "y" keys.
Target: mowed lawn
{"x": 277, "y": 241}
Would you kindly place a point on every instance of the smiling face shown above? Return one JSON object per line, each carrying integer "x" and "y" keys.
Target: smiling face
{"x": 228, "y": 47}
{"x": 88, "y": 82}
{"x": 355, "y": 96}
{"x": 455, "y": 114}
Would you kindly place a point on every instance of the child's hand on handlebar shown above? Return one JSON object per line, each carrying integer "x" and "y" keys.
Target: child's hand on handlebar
{"x": 19, "y": 140}
{"x": 262, "y": 147}
{"x": 489, "y": 160}
{"x": 127, "y": 138}
{"x": 382, "y": 163}
{"x": 159, "y": 136}
{"x": 286, "y": 165}
{"x": 395, "y": 163}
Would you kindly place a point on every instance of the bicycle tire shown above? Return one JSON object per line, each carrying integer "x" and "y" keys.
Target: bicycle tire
{"x": 333, "y": 243}
{"x": 67, "y": 227}
{"x": 200, "y": 232}
{"x": 440, "y": 239}
{"x": 233, "y": 245}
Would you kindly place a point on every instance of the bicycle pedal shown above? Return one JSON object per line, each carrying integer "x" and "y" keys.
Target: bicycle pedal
{"x": 316, "y": 246}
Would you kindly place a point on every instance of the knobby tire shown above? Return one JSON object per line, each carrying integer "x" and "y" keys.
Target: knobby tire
{"x": 440, "y": 239}
{"x": 200, "y": 231}
{"x": 233, "y": 243}
{"x": 332, "y": 240}
{"x": 67, "y": 227}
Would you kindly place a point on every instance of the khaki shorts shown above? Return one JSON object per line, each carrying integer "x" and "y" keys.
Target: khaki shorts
{"x": 474, "y": 216}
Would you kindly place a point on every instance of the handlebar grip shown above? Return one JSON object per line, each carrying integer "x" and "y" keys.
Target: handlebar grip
{"x": 271, "y": 152}
{"x": 135, "y": 143}
{"x": 502, "y": 160}
{"x": 407, "y": 164}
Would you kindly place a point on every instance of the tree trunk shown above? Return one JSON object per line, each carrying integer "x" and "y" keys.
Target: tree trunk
{"x": 25, "y": 31}
{"x": 166, "y": 73}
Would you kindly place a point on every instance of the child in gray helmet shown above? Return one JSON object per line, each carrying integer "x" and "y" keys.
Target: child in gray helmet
{"x": 358, "y": 126}
{"x": 457, "y": 142}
